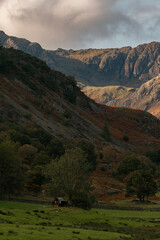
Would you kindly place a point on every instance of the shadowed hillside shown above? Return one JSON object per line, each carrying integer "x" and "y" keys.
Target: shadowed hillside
{"x": 30, "y": 87}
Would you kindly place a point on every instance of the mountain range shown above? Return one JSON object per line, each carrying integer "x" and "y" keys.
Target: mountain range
{"x": 108, "y": 76}
{"x": 32, "y": 94}
{"x": 125, "y": 66}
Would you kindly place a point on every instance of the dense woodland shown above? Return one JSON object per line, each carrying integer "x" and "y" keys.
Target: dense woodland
{"x": 27, "y": 151}
{"x": 31, "y": 160}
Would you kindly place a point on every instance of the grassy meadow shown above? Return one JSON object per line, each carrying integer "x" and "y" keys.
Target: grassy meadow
{"x": 36, "y": 222}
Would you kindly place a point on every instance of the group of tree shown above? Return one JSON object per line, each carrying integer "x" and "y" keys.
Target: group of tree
{"x": 31, "y": 157}
{"x": 137, "y": 173}
{"x": 142, "y": 184}
{"x": 11, "y": 179}
{"x": 69, "y": 177}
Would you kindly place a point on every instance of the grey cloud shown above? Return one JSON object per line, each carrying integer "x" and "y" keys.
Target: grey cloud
{"x": 1, "y": 2}
{"x": 71, "y": 23}
{"x": 147, "y": 15}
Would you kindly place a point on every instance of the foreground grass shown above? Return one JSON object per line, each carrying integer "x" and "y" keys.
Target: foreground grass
{"x": 58, "y": 233}
{"x": 33, "y": 221}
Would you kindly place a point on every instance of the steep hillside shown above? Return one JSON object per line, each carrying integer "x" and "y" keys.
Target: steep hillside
{"x": 97, "y": 67}
{"x": 30, "y": 91}
{"x": 147, "y": 98}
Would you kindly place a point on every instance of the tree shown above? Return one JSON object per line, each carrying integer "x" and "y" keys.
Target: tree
{"x": 41, "y": 159}
{"x": 132, "y": 163}
{"x": 55, "y": 148}
{"x": 126, "y": 138}
{"x": 106, "y": 132}
{"x": 69, "y": 177}
{"x": 26, "y": 153}
{"x": 10, "y": 169}
{"x": 142, "y": 184}
{"x": 43, "y": 136}
{"x": 154, "y": 156}
{"x": 89, "y": 149}
{"x": 35, "y": 174}
{"x": 16, "y": 136}
{"x": 127, "y": 165}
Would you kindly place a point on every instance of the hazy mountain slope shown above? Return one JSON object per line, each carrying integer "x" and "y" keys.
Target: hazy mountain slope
{"x": 106, "y": 94}
{"x": 147, "y": 97}
{"x": 97, "y": 67}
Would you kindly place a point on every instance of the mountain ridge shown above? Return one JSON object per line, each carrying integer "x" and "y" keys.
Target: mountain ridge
{"x": 124, "y": 66}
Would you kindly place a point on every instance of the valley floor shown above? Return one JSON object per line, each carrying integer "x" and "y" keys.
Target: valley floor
{"x": 35, "y": 221}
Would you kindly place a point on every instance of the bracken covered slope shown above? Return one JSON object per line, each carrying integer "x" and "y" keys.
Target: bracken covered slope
{"x": 31, "y": 92}
{"x": 97, "y": 67}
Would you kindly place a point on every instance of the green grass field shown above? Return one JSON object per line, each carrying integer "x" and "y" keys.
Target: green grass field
{"x": 24, "y": 221}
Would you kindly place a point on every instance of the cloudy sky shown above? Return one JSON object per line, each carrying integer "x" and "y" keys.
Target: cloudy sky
{"x": 82, "y": 23}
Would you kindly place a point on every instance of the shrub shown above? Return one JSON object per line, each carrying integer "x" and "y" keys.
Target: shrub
{"x": 106, "y": 133}
{"x": 126, "y": 138}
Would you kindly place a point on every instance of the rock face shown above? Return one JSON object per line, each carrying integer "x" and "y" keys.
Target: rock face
{"x": 126, "y": 66}
{"x": 147, "y": 98}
